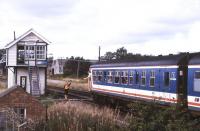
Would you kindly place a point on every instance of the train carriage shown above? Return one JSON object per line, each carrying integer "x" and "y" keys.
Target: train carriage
{"x": 194, "y": 83}
{"x": 159, "y": 79}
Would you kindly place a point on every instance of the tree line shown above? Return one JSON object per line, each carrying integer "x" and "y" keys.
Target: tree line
{"x": 122, "y": 54}
{"x": 76, "y": 66}
{"x": 79, "y": 66}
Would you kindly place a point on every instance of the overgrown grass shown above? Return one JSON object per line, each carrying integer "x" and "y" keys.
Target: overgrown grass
{"x": 81, "y": 117}
{"x": 77, "y": 116}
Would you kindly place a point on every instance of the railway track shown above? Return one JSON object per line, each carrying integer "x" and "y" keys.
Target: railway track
{"x": 84, "y": 96}
{"x": 59, "y": 93}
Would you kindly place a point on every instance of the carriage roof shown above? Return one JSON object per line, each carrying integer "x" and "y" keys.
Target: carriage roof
{"x": 144, "y": 61}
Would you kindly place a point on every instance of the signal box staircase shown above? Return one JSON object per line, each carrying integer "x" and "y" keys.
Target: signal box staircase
{"x": 34, "y": 81}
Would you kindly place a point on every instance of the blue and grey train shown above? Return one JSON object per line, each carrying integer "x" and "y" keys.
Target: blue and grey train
{"x": 167, "y": 79}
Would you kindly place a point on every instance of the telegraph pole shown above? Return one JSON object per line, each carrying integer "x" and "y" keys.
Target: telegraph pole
{"x": 77, "y": 73}
{"x": 99, "y": 53}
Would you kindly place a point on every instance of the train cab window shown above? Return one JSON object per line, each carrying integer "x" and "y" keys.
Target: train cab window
{"x": 94, "y": 75}
{"x": 166, "y": 79}
{"x": 124, "y": 77}
{"x": 197, "y": 81}
{"x": 152, "y": 78}
{"x": 117, "y": 77}
{"x": 136, "y": 77}
{"x": 100, "y": 76}
{"x": 110, "y": 77}
{"x": 131, "y": 78}
{"x": 143, "y": 77}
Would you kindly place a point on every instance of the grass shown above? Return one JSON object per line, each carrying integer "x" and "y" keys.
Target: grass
{"x": 77, "y": 116}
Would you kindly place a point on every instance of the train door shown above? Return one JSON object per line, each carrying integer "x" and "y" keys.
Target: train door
{"x": 151, "y": 78}
{"x": 131, "y": 81}
{"x": 105, "y": 76}
{"x": 164, "y": 86}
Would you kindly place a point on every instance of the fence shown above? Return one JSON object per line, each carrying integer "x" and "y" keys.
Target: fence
{"x": 10, "y": 121}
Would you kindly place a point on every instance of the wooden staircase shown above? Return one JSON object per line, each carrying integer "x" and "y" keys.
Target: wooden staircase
{"x": 34, "y": 80}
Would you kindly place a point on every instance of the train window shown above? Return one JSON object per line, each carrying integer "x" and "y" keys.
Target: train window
{"x": 143, "y": 82}
{"x": 94, "y": 75}
{"x": 117, "y": 76}
{"x": 100, "y": 76}
{"x": 131, "y": 78}
{"x": 124, "y": 77}
{"x": 110, "y": 77}
{"x": 136, "y": 77}
{"x": 172, "y": 75}
{"x": 166, "y": 78}
{"x": 152, "y": 78}
{"x": 197, "y": 81}
{"x": 105, "y": 76}
{"x": 197, "y": 75}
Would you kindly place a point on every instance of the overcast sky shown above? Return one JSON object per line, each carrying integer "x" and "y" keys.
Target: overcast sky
{"x": 78, "y": 27}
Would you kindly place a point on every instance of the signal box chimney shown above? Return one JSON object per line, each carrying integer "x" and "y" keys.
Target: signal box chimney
{"x": 14, "y": 36}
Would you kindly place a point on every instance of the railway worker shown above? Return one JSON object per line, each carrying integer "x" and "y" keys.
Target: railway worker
{"x": 66, "y": 87}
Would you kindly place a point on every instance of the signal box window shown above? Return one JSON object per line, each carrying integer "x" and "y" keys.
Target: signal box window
{"x": 143, "y": 82}
{"x": 124, "y": 77}
{"x": 94, "y": 76}
{"x": 110, "y": 77}
{"x": 131, "y": 78}
{"x": 21, "y": 54}
{"x": 152, "y": 78}
{"x": 197, "y": 81}
{"x": 100, "y": 76}
{"x": 30, "y": 52}
{"x": 41, "y": 52}
{"x": 166, "y": 78}
{"x": 117, "y": 76}
{"x": 136, "y": 77}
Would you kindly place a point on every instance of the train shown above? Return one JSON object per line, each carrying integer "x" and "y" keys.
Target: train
{"x": 168, "y": 80}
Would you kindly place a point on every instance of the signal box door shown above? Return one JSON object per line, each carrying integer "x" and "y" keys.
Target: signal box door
{"x": 23, "y": 82}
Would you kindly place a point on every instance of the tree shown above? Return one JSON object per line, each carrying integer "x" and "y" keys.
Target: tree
{"x": 2, "y": 53}
{"x": 121, "y": 53}
{"x": 109, "y": 56}
{"x": 75, "y": 64}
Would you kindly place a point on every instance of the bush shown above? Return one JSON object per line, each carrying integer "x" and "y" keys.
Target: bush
{"x": 153, "y": 118}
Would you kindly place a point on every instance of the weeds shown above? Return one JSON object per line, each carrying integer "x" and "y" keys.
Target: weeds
{"x": 81, "y": 117}
{"x": 78, "y": 116}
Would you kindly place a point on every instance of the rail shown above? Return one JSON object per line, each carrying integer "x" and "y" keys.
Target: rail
{"x": 73, "y": 93}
